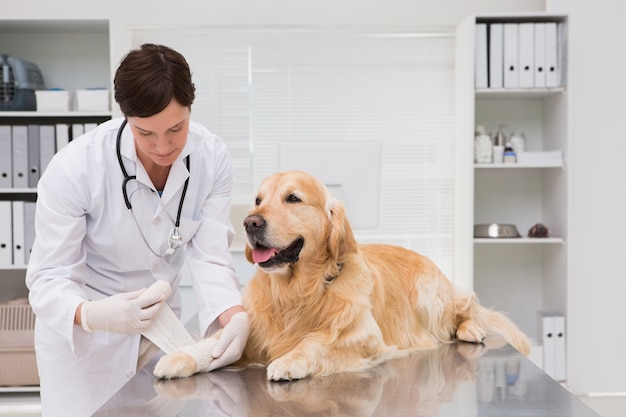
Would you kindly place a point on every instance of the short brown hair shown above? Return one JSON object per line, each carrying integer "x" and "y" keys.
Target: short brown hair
{"x": 149, "y": 78}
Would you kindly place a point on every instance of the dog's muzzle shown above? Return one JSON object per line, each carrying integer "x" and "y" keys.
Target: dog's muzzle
{"x": 263, "y": 253}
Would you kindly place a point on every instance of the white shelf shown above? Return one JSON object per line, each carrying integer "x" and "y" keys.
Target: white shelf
{"x": 30, "y": 388}
{"x": 518, "y": 93}
{"x": 18, "y": 190}
{"x": 12, "y": 267}
{"x": 519, "y": 240}
{"x": 519, "y": 165}
{"x": 66, "y": 114}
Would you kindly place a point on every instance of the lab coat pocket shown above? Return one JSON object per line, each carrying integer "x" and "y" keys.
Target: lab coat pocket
{"x": 188, "y": 229}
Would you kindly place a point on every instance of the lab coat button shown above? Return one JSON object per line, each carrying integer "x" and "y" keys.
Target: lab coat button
{"x": 129, "y": 374}
{"x": 157, "y": 221}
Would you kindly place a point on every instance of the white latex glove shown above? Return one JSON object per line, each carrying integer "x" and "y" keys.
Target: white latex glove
{"x": 125, "y": 313}
{"x": 233, "y": 338}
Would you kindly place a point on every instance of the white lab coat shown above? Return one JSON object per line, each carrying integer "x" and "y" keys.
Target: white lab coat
{"x": 88, "y": 246}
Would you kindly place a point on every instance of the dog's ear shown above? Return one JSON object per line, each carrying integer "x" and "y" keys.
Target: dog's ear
{"x": 341, "y": 241}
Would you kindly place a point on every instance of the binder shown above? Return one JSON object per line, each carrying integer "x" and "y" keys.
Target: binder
{"x": 33, "y": 155}
{"x": 481, "y": 56}
{"x": 560, "y": 372}
{"x": 552, "y": 69}
{"x": 90, "y": 126}
{"x": 47, "y": 146}
{"x": 540, "y": 55}
{"x": 18, "y": 233}
{"x": 526, "y": 60}
{"x": 511, "y": 57}
{"x": 6, "y": 234}
{"x": 29, "y": 228}
{"x": 554, "y": 354}
{"x": 19, "y": 141}
{"x": 77, "y": 130}
{"x": 496, "y": 58}
{"x": 549, "y": 346}
{"x": 62, "y": 135}
{"x": 6, "y": 159}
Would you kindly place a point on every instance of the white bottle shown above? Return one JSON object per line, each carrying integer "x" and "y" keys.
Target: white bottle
{"x": 483, "y": 146}
{"x": 518, "y": 142}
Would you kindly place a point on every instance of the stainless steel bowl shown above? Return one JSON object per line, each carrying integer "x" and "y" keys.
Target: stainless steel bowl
{"x": 496, "y": 230}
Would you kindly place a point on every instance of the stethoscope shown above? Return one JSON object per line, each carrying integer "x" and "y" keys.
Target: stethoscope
{"x": 175, "y": 239}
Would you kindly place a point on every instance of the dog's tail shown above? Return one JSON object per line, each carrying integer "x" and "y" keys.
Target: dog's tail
{"x": 498, "y": 323}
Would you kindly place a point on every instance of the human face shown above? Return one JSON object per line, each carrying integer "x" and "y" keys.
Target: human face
{"x": 159, "y": 139}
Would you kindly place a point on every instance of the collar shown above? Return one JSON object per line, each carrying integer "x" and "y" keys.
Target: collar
{"x": 328, "y": 279}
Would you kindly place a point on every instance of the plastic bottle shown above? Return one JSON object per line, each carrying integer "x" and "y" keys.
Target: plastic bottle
{"x": 483, "y": 146}
{"x": 498, "y": 146}
{"x": 518, "y": 142}
{"x": 510, "y": 157}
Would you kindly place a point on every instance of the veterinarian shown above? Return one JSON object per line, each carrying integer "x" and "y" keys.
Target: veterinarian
{"x": 117, "y": 209}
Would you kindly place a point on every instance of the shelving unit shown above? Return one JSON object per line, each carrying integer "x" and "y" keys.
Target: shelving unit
{"x": 72, "y": 54}
{"x": 520, "y": 276}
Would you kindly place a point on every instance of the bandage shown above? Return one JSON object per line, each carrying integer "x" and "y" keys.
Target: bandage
{"x": 166, "y": 331}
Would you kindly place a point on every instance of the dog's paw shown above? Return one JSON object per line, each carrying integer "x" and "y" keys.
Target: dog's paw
{"x": 469, "y": 331}
{"x": 175, "y": 365}
{"x": 288, "y": 367}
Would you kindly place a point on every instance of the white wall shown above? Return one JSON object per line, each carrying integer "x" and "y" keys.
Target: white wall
{"x": 272, "y": 12}
{"x": 597, "y": 206}
{"x": 597, "y": 143}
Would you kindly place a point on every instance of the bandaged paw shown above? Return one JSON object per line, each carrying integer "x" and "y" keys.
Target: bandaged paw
{"x": 187, "y": 361}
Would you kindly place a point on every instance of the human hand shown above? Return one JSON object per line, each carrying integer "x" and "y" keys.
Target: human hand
{"x": 125, "y": 313}
{"x": 232, "y": 341}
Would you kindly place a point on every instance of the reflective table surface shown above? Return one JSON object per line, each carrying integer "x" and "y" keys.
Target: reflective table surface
{"x": 460, "y": 380}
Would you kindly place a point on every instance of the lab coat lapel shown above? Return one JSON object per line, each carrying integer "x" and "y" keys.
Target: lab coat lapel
{"x": 177, "y": 176}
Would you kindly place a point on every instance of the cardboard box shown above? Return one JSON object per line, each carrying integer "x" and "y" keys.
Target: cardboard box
{"x": 18, "y": 364}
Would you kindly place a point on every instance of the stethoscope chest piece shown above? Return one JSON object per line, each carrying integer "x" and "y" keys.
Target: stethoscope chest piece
{"x": 175, "y": 239}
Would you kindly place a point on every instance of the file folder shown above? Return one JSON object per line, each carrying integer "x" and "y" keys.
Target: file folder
{"x": 18, "y": 233}
{"x": 526, "y": 47}
{"x": 560, "y": 373}
{"x": 511, "y": 55}
{"x": 90, "y": 126}
{"x": 553, "y": 337}
{"x": 47, "y": 146}
{"x": 62, "y": 135}
{"x": 552, "y": 69}
{"x": 549, "y": 349}
{"x": 496, "y": 58}
{"x": 29, "y": 228}
{"x": 77, "y": 130}
{"x": 540, "y": 55}
{"x": 19, "y": 140}
{"x": 6, "y": 234}
{"x": 33, "y": 155}
{"x": 481, "y": 56}
{"x": 6, "y": 157}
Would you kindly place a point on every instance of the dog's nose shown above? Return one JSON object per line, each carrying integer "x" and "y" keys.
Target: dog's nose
{"x": 253, "y": 223}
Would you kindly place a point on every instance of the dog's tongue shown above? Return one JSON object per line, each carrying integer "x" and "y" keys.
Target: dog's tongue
{"x": 262, "y": 255}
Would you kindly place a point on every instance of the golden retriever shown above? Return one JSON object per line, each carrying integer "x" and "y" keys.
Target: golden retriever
{"x": 320, "y": 303}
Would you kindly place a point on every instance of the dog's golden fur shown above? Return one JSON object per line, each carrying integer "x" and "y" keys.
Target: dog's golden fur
{"x": 320, "y": 303}
{"x": 344, "y": 306}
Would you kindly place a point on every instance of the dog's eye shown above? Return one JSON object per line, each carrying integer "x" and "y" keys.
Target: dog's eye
{"x": 292, "y": 198}
{"x": 257, "y": 201}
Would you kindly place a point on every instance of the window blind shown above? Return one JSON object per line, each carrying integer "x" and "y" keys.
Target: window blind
{"x": 257, "y": 87}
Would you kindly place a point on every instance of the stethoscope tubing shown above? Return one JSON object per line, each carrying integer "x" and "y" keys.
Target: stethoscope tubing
{"x": 118, "y": 146}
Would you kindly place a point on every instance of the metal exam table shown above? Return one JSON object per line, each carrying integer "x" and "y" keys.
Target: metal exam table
{"x": 460, "y": 380}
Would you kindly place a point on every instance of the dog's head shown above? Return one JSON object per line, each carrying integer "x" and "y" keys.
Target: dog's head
{"x": 296, "y": 218}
